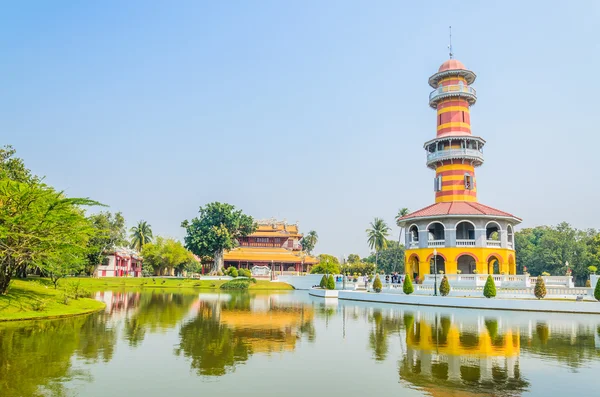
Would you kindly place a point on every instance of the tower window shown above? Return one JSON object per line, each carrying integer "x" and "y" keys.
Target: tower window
{"x": 468, "y": 182}
{"x": 440, "y": 122}
{"x": 437, "y": 184}
{"x": 463, "y": 116}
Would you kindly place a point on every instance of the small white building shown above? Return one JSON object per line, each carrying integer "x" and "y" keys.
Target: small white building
{"x": 120, "y": 262}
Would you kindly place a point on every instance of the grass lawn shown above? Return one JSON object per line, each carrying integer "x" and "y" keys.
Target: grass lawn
{"x": 37, "y": 298}
{"x": 157, "y": 282}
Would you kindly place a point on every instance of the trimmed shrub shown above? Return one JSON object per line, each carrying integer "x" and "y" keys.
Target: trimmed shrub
{"x": 597, "y": 291}
{"x": 239, "y": 284}
{"x": 489, "y": 291}
{"x": 244, "y": 273}
{"x": 323, "y": 282}
{"x": 444, "y": 287}
{"x": 540, "y": 288}
{"x": 231, "y": 272}
{"x": 330, "y": 282}
{"x": 377, "y": 284}
{"x": 407, "y": 287}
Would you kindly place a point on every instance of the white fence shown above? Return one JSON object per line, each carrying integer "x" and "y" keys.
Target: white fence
{"x": 501, "y": 280}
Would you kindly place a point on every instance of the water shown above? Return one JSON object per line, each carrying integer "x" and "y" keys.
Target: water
{"x": 290, "y": 344}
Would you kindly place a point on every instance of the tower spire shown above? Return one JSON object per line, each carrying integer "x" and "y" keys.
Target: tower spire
{"x": 450, "y": 45}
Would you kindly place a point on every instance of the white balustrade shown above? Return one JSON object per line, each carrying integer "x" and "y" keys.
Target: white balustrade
{"x": 494, "y": 243}
{"x": 436, "y": 243}
{"x": 465, "y": 243}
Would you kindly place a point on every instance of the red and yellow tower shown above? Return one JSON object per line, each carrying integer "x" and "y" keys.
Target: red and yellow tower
{"x": 457, "y": 234}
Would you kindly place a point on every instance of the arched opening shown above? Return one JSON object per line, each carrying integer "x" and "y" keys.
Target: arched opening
{"x": 493, "y": 231}
{"x": 493, "y": 265}
{"x": 510, "y": 237}
{"x": 465, "y": 234}
{"x": 466, "y": 264}
{"x": 437, "y": 262}
{"x": 412, "y": 266}
{"x": 435, "y": 234}
{"x": 413, "y": 236}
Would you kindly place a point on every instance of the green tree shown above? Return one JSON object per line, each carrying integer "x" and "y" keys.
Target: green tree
{"x": 489, "y": 290}
{"x": 309, "y": 241}
{"x": 444, "y": 286}
{"x": 36, "y": 225}
{"x": 540, "y": 288}
{"x": 407, "y": 287}
{"x": 391, "y": 259}
{"x": 328, "y": 264}
{"x": 330, "y": 282}
{"x": 62, "y": 264}
{"x": 217, "y": 229}
{"x": 167, "y": 256}
{"x": 597, "y": 291}
{"x": 402, "y": 212}
{"x": 377, "y": 286}
{"x": 377, "y": 236}
{"x": 141, "y": 235}
{"x": 323, "y": 283}
{"x": 109, "y": 232}
{"x": 353, "y": 258}
{"x": 13, "y": 168}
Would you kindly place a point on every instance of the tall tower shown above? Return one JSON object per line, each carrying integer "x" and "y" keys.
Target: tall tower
{"x": 457, "y": 234}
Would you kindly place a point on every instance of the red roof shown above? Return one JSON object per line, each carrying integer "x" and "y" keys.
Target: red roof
{"x": 457, "y": 208}
{"x": 451, "y": 64}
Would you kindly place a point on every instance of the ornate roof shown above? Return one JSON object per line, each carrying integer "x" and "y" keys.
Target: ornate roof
{"x": 277, "y": 255}
{"x": 451, "y": 64}
{"x": 456, "y": 208}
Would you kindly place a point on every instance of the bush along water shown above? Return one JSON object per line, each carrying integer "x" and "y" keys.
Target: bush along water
{"x": 330, "y": 282}
{"x": 489, "y": 291}
{"x": 407, "y": 287}
{"x": 540, "y": 288}
{"x": 244, "y": 273}
{"x": 597, "y": 291}
{"x": 377, "y": 284}
{"x": 231, "y": 272}
{"x": 444, "y": 287}
{"x": 323, "y": 283}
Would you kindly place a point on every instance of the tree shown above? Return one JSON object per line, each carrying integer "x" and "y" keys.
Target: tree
{"x": 330, "y": 282}
{"x": 140, "y": 235}
{"x": 166, "y": 255}
{"x": 489, "y": 290}
{"x": 597, "y": 290}
{"x": 353, "y": 258}
{"x": 37, "y": 224}
{"x": 328, "y": 264}
{"x": 407, "y": 286}
{"x": 540, "y": 288}
{"x": 309, "y": 241}
{"x": 402, "y": 212}
{"x": 217, "y": 229}
{"x": 444, "y": 286}
{"x": 323, "y": 283}
{"x": 377, "y": 236}
{"x": 377, "y": 286}
{"x": 391, "y": 259}
{"x": 13, "y": 168}
{"x": 109, "y": 232}
{"x": 62, "y": 264}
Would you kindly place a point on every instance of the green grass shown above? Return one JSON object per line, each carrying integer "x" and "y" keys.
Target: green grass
{"x": 37, "y": 298}
{"x": 95, "y": 284}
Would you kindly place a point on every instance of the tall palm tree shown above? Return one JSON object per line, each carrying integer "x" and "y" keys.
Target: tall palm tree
{"x": 141, "y": 235}
{"x": 377, "y": 236}
{"x": 309, "y": 241}
{"x": 401, "y": 212}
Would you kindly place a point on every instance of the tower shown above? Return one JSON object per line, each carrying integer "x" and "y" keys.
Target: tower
{"x": 465, "y": 235}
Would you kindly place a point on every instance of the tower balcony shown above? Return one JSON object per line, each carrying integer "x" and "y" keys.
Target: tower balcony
{"x": 473, "y": 155}
{"x": 457, "y": 90}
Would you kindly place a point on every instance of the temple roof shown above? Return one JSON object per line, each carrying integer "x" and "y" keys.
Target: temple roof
{"x": 277, "y": 255}
{"x": 456, "y": 208}
{"x": 276, "y": 229}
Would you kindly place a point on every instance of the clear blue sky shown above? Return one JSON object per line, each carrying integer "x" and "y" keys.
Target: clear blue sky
{"x": 313, "y": 111}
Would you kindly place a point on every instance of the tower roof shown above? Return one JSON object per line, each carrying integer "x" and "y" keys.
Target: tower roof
{"x": 452, "y": 64}
{"x": 458, "y": 208}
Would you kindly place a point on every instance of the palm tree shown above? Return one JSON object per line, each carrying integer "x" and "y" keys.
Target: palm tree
{"x": 309, "y": 241}
{"x": 141, "y": 235}
{"x": 401, "y": 212}
{"x": 377, "y": 237}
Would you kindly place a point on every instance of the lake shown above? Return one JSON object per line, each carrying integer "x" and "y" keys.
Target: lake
{"x": 194, "y": 343}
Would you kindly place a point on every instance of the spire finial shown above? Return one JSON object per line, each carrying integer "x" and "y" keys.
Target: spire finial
{"x": 450, "y": 45}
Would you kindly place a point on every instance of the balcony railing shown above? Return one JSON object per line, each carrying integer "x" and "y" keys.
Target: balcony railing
{"x": 465, "y": 243}
{"x": 471, "y": 154}
{"x": 452, "y": 90}
{"x": 436, "y": 243}
{"x": 494, "y": 243}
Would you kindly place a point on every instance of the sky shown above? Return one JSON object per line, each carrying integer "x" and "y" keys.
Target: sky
{"x": 310, "y": 111}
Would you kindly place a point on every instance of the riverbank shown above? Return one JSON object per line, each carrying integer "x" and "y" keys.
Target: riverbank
{"x": 158, "y": 282}
{"x": 35, "y": 299}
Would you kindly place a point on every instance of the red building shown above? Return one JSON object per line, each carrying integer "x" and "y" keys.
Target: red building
{"x": 120, "y": 262}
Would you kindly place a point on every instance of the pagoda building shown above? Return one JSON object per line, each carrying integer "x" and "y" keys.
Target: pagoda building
{"x": 457, "y": 234}
{"x": 276, "y": 245}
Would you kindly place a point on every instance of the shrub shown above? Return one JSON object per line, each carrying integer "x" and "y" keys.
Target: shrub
{"x": 39, "y": 306}
{"x": 238, "y": 284}
{"x": 588, "y": 283}
{"x": 592, "y": 269}
{"x": 540, "y": 288}
{"x": 444, "y": 286}
{"x": 323, "y": 282}
{"x": 377, "y": 284}
{"x": 597, "y": 291}
{"x": 407, "y": 287}
{"x": 546, "y": 274}
{"x": 330, "y": 282}
{"x": 489, "y": 291}
{"x": 244, "y": 273}
{"x": 231, "y": 271}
